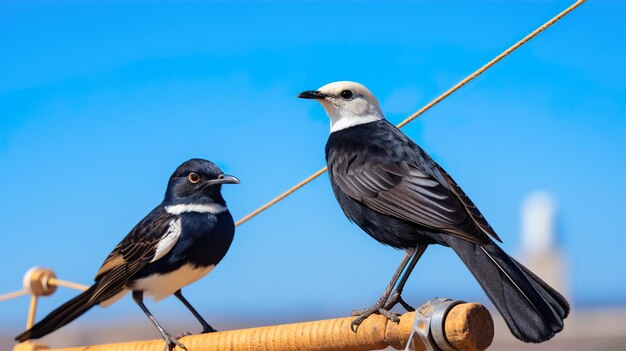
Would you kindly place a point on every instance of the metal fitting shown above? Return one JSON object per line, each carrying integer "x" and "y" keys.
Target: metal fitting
{"x": 429, "y": 324}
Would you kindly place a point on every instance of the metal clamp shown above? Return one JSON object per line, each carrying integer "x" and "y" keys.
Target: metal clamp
{"x": 429, "y": 324}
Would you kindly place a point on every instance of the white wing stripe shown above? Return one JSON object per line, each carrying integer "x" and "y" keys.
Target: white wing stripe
{"x": 168, "y": 240}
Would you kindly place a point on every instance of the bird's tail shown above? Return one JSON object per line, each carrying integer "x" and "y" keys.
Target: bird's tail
{"x": 61, "y": 316}
{"x": 532, "y": 309}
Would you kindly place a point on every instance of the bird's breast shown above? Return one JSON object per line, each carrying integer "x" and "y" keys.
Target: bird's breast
{"x": 206, "y": 239}
{"x": 159, "y": 286}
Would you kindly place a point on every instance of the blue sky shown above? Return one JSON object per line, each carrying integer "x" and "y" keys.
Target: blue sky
{"x": 100, "y": 102}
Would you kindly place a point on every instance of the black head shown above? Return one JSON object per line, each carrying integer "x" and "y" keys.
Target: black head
{"x": 197, "y": 181}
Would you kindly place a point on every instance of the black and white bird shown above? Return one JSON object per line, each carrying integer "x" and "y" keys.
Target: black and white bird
{"x": 392, "y": 189}
{"x": 177, "y": 243}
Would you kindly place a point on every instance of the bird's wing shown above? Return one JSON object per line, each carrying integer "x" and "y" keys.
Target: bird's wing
{"x": 405, "y": 191}
{"x": 469, "y": 206}
{"x": 150, "y": 240}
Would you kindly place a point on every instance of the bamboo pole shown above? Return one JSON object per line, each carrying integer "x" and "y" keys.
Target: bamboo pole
{"x": 468, "y": 327}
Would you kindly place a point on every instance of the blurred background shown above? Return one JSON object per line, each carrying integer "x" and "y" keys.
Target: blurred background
{"x": 101, "y": 101}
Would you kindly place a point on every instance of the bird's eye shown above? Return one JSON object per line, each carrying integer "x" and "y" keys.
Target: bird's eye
{"x": 346, "y": 94}
{"x": 194, "y": 177}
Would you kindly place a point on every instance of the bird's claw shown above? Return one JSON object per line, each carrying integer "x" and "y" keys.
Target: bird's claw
{"x": 356, "y": 313}
{"x": 365, "y": 313}
{"x": 370, "y": 310}
{"x": 171, "y": 342}
{"x": 183, "y": 334}
{"x": 382, "y": 307}
{"x": 395, "y": 299}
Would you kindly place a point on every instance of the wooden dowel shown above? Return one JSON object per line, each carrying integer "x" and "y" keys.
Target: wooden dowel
{"x": 64, "y": 283}
{"x": 13, "y": 295}
{"x": 32, "y": 308}
{"x": 468, "y": 326}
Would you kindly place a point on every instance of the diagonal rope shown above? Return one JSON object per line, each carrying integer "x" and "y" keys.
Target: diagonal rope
{"x": 428, "y": 106}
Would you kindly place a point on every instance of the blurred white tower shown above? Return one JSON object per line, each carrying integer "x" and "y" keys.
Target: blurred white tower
{"x": 539, "y": 242}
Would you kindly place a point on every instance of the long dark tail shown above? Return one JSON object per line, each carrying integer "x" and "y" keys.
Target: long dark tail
{"x": 533, "y": 310}
{"x": 61, "y": 316}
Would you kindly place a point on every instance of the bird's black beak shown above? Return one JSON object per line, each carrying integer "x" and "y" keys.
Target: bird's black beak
{"x": 312, "y": 94}
{"x": 224, "y": 179}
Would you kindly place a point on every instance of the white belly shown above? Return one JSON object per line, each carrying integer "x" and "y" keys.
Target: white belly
{"x": 160, "y": 286}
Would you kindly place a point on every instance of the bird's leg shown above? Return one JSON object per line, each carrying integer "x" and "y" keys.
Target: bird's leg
{"x": 206, "y": 328}
{"x": 378, "y": 306}
{"x": 170, "y": 341}
{"x": 395, "y": 297}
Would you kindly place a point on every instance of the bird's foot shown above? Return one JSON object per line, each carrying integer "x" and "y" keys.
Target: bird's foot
{"x": 183, "y": 334}
{"x": 171, "y": 342}
{"x": 395, "y": 299}
{"x": 362, "y": 315}
{"x": 379, "y": 304}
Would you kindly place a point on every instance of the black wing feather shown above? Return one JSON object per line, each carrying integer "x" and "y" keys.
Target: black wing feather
{"x": 392, "y": 175}
{"x": 132, "y": 254}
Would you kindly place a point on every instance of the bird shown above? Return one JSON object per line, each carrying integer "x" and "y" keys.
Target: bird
{"x": 177, "y": 243}
{"x": 394, "y": 191}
